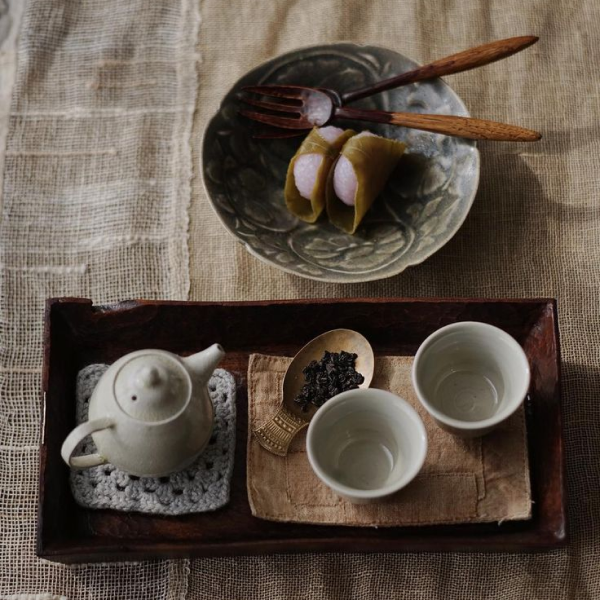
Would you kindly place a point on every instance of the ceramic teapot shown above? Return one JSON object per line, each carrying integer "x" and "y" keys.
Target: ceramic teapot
{"x": 150, "y": 413}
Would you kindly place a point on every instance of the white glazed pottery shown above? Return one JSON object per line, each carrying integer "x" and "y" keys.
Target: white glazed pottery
{"x": 366, "y": 444}
{"x": 150, "y": 414}
{"x": 470, "y": 377}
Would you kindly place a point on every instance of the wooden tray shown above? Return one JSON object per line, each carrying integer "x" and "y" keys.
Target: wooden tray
{"x": 78, "y": 333}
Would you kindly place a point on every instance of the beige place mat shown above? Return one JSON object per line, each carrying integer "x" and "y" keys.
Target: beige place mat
{"x": 463, "y": 481}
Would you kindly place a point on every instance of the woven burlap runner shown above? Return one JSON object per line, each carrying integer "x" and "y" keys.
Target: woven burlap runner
{"x": 96, "y": 202}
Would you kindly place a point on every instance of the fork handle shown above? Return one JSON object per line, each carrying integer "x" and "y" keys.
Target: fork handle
{"x": 456, "y": 63}
{"x": 465, "y": 127}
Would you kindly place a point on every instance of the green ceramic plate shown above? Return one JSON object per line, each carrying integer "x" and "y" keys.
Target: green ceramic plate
{"x": 423, "y": 206}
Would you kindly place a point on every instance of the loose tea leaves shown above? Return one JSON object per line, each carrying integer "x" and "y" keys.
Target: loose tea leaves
{"x": 328, "y": 377}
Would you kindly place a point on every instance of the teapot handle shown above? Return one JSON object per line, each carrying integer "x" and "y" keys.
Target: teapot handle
{"x": 76, "y": 436}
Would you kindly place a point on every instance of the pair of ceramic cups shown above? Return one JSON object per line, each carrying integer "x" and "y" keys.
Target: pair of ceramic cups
{"x": 367, "y": 444}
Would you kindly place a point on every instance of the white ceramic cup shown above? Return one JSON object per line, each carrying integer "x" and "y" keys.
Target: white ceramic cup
{"x": 470, "y": 377}
{"x": 366, "y": 444}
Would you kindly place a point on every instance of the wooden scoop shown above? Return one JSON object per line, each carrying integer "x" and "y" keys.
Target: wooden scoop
{"x": 277, "y": 434}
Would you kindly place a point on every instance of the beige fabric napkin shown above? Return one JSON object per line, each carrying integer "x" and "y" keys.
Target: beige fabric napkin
{"x": 463, "y": 481}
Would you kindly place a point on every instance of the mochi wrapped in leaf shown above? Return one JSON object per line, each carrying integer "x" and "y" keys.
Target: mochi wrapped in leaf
{"x": 359, "y": 176}
{"x": 306, "y": 180}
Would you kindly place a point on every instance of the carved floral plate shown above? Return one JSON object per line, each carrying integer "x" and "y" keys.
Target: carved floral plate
{"x": 423, "y": 206}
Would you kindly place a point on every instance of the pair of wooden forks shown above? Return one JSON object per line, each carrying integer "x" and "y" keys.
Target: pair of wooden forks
{"x": 300, "y": 108}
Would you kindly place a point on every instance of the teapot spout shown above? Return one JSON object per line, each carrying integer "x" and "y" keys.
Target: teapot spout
{"x": 202, "y": 364}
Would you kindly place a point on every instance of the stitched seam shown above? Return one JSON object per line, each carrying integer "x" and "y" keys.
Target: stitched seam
{"x": 525, "y": 458}
{"x": 283, "y": 516}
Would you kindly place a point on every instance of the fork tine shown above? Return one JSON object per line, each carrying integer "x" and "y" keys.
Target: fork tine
{"x": 284, "y": 122}
{"x": 274, "y": 106}
{"x": 277, "y": 91}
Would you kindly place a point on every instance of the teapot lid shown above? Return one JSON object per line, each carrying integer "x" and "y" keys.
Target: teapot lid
{"x": 152, "y": 387}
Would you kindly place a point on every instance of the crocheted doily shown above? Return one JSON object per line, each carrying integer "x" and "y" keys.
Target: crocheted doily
{"x": 201, "y": 487}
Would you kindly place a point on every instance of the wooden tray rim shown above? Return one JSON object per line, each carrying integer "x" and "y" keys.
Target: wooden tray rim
{"x": 74, "y": 552}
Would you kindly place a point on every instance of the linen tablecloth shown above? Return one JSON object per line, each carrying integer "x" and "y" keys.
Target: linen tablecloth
{"x": 102, "y": 197}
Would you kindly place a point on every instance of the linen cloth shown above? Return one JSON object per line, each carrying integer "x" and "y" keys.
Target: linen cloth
{"x": 476, "y": 480}
{"x": 102, "y": 197}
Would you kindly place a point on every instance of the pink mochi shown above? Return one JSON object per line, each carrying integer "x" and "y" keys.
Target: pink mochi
{"x": 306, "y": 167}
{"x": 345, "y": 183}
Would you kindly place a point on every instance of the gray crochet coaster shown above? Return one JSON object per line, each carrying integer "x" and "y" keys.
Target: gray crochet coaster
{"x": 202, "y": 487}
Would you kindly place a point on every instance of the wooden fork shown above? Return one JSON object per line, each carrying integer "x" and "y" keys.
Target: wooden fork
{"x": 304, "y": 118}
{"x": 302, "y": 107}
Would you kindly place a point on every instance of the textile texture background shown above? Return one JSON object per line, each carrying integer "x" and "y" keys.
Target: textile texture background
{"x": 102, "y": 197}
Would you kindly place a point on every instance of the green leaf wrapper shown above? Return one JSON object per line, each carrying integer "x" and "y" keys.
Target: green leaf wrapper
{"x": 310, "y": 210}
{"x": 373, "y": 159}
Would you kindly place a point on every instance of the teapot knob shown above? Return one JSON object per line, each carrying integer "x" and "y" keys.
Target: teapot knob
{"x": 152, "y": 386}
{"x": 149, "y": 377}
